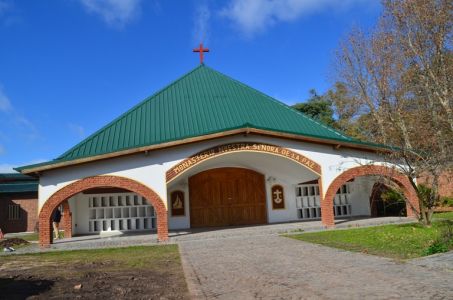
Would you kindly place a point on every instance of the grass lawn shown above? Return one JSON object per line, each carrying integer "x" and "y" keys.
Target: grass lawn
{"x": 29, "y": 236}
{"x": 130, "y": 272}
{"x": 395, "y": 241}
{"x": 445, "y": 215}
{"x": 33, "y": 236}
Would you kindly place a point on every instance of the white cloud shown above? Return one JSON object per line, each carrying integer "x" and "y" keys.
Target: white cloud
{"x": 253, "y": 16}
{"x": 9, "y": 14}
{"x": 114, "y": 12}
{"x": 4, "y": 7}
{"x": 5, "y": 104}
{"x": 77, "y": 129}
{"x": 15, "y": 117}
{"x": 30, "y": 131}
{"x": 201, "y": 22}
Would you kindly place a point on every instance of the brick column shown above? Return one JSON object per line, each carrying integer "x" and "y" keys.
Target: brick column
{"x": 45, "y": 230}
{"x": 327, "y": 216}
{"x": 162, "y": 229}
{"x": 66, "y": 220}
{"x": 412, "y": 204}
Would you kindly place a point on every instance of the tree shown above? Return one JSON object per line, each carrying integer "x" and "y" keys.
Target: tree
{"x": 347, "y": 118}
{"x": 318, "y": 107}
{"x": 337, "y": 110}
{"x": 397, "y": 79}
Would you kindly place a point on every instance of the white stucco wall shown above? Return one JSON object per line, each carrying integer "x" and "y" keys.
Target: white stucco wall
{"x": 361, "y": 190}
{"x": 150, "y": 170}
{"x": 290, "y": 211}
{"x": 179, "y": 222}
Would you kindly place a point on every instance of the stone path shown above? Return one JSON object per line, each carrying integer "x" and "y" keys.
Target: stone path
{"x": 275, "y": 267}
{"x": 443, "y": 261}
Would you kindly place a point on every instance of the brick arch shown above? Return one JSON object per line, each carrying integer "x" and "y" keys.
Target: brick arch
{"x": 60, "y": 196}
{"x": 396, "y": 176}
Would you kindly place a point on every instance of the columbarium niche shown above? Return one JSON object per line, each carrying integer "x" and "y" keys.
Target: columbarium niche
{"x": 309, "y": 205}
{"x": 308, "y": 201}
{"x": 342, "y": 201}
{"x": 119, "y": 212}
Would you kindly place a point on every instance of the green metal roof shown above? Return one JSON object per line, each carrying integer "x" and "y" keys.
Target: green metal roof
{"x": 17, "y": 183}
{"x": 201, "y": 102}
{"x": 15, "y": 177}
{"x": 24, "y": 187}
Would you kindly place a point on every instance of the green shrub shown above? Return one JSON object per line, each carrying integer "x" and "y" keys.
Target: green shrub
{"x": 446, "y": 234}
{"x": 446, "y": 201}
{"x": 392, "y": 196}
{"x": 436, "y": 247}
{"x": 444, "y": 242}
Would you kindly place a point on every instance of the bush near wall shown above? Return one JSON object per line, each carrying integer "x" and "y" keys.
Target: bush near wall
{"x": 446, "y": 201}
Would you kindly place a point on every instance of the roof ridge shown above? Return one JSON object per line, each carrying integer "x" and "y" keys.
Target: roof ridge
{"x": 123, "y": 115}
{"x": 284, "y": 105}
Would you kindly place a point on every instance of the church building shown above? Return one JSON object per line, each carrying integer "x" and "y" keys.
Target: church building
{"x": 209, "y": 151}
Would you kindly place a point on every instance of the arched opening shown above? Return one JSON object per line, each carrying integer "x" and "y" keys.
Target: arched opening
{"x": 62, "y": 196}
{"x": 386, "y": 202}
{"x": 327, "y": 206}
{"x": 247, "y": 177}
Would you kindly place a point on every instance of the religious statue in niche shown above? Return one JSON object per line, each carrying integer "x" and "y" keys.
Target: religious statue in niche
{"x": 177, "y": 203}
{"x": 278, "y": 198}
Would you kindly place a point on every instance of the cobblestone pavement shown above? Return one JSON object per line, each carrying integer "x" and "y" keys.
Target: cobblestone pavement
{"x": 442, "y": 261}
{"x": 275, "y": 267}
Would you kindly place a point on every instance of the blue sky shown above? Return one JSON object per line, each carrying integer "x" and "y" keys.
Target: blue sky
{"x": 68, "y": 67}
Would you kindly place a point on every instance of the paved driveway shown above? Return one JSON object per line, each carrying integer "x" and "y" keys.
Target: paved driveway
{"x": 274, "y": 267}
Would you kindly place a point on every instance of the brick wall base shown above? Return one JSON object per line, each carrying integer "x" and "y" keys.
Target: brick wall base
{"x": 327, "y": 216}
{"x": 62, "y": 195}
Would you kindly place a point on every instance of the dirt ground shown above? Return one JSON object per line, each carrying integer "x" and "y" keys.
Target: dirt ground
{"x": 28, "y": 277}
{"x": 13, "y": 242}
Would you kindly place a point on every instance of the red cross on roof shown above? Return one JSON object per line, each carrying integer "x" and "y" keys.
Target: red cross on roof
{"x": 201, "y": 50}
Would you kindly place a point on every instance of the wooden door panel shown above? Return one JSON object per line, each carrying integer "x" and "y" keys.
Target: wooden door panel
{"x": 203, "y": 216}
{"x": 227, "y": 196}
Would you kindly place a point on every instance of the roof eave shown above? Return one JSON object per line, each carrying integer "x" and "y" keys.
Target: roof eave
{"x": 33, "y": 169}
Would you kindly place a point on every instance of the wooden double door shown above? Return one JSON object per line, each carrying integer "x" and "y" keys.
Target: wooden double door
{"x": 227, "y": 196}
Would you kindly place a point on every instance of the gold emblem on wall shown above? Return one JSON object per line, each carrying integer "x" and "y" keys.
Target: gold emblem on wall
{"x": 177, "y": 203}
{"x": 278, "y": 197}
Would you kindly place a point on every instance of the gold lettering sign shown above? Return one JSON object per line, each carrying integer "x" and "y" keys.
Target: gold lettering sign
{"x": 237, "y": 147}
